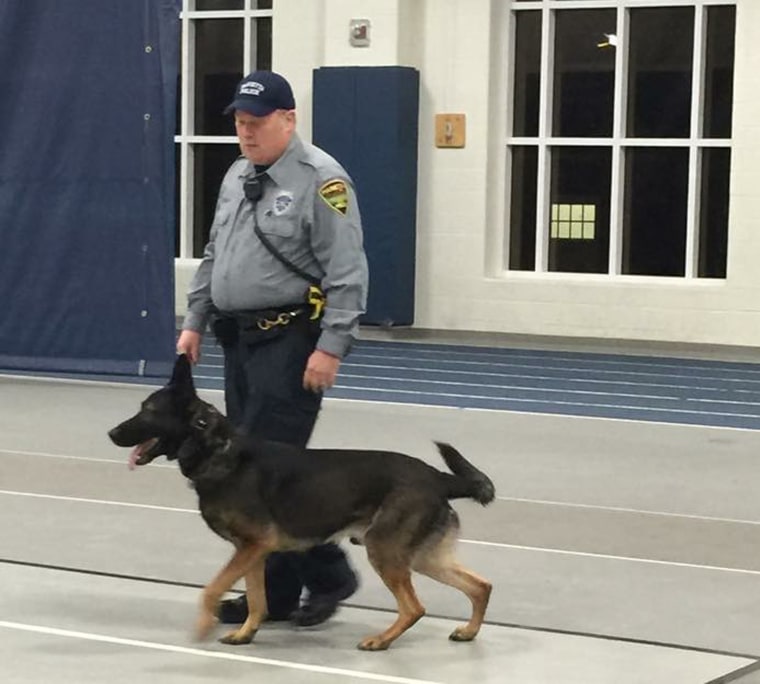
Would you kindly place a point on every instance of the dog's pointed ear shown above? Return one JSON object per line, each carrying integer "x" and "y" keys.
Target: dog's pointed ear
{"x": 182, "y": 376}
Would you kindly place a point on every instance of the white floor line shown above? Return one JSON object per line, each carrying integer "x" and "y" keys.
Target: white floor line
{"x": 518, "y": 400}
{"x": 541, "y": 502}
{"x": 100, "y": 502}
{"x": 474, "y": 542}
{"x": 543, "y": 414}
{"x": 152, "y": 383}
{"x": 636, "y": 511}
{"x": 605, "y": 556}
{"x": 68, "y": 457}
{"x": 183, "y": 650}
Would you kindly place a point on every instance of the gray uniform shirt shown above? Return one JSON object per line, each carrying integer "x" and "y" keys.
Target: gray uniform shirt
{"x": 312, "y": 225}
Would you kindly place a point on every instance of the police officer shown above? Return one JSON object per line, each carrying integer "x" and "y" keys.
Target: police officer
{"x": 283, "y": 280}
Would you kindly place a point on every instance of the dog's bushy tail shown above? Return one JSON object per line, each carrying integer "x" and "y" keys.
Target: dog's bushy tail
{"x": 467, "y": 481}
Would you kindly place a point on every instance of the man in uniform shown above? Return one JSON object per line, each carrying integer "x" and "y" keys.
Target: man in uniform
{"x": 283, "y": 280}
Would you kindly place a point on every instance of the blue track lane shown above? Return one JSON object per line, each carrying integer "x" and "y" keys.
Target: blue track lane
{"x": 647, "y": 388}
{"x": 660, "y": 389}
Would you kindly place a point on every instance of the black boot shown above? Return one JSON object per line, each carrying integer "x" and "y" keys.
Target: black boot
{"x": 283, "y": 589}
{"x": 235, "y": 611}
{"x": 329, "y": 578}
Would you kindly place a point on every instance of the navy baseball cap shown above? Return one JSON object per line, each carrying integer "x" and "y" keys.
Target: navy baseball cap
{"x": 262, "y": 92}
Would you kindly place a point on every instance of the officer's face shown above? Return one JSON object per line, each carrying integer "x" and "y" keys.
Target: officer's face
{"x": 263, "y": 139}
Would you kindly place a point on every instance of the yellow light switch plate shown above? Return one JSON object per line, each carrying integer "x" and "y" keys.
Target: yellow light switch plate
{"x": 449, "y": 130}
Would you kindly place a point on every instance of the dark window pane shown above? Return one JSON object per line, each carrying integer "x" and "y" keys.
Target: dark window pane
{"x": 522, "y": 219}
{"x": 579, "y": 217}
{"x": 713, "y": 216}
{"x": 262, "y": 43}
{"x": 262, "y": 4}
{"x": 218, "y": 68}
{"x": 211, "y": 163}
{"x": 719, "y": 71}
{"x": 203, "y": 5}
{"x": 527, "y": 73}
{"x": 660, "y": 72}
{"x": 654, "y": 222}
{"x": 584, "y": 74}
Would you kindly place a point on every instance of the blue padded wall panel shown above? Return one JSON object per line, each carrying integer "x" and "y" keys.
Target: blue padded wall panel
{"x": 86, "y": 185}
{"x": 367, "y": 118}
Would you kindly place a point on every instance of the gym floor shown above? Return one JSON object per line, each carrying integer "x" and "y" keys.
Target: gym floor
{"x": 622, "y": 550}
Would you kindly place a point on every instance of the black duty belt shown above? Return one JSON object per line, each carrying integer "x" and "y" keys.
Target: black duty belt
{"x": 264, "y": 319}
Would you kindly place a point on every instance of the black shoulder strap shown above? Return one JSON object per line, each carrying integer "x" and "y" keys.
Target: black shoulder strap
{"x": 278, "y": 255}
{"x": 253, "y": 190}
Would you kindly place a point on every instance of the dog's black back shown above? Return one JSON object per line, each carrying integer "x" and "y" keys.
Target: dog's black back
{"x": 312, "y": 494}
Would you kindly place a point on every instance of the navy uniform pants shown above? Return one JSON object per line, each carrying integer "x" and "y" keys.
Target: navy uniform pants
{"x": 264, "y": 396}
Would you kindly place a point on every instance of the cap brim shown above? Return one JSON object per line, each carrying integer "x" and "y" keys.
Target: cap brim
{"x": 251, "y": 107}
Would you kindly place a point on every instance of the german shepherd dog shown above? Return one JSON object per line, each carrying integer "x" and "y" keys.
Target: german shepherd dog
{"x": 266, "y": 496}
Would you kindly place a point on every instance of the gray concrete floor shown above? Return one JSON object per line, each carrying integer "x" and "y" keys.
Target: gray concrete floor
{"x": 620, "y": 553}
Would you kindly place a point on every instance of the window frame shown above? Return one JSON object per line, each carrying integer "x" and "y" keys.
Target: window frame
{"x": 619, "y": 141}
{"x": 185, "y": 141}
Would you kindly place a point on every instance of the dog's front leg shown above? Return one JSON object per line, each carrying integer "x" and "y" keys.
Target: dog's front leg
{"x": 257, "y": 605}
{"x": 241, "y": 562}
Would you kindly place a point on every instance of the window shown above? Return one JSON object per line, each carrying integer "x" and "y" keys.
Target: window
{"x": 573, "y": 221}
{"x": 222, "y": 40}
{"x": 619, "y": 141}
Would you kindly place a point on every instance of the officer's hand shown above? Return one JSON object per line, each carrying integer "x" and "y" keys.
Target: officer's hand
{"x": 321, "y": 369}
{"x": 189, "y": 343}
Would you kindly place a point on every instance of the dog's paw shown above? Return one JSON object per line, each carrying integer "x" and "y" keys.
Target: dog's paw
{"x": 463, "y": 634}
{"x": 373, "y": 643}
{"x": 238, "y": 637}
{"x": 204, "y": 625}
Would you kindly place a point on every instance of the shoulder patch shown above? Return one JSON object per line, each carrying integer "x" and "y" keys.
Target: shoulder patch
{"x": 335, "y": 193}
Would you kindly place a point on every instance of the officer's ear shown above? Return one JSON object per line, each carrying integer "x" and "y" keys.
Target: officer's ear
{"x": 288, "y": 117}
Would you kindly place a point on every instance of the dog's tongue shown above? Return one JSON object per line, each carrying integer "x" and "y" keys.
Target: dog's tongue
{"x": 133, "y": 456}
{"x": 137, "y": 456}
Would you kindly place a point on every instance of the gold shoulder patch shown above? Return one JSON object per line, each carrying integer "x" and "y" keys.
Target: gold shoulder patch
{"x": 335, "y": 193}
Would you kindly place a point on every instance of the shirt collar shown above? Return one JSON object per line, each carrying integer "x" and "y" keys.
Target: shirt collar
{"x": 278, "y": 171}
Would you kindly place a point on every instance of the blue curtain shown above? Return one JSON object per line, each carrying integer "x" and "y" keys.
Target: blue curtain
{"x": 87, "y": 118}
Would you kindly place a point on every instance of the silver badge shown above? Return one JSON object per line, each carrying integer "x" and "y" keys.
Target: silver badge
{"x": 282, "y": 203}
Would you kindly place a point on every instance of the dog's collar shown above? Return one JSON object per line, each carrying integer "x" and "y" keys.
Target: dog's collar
{"x": 200, "y": 420}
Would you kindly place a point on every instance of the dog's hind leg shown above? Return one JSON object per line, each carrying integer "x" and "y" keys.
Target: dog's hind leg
{"x": 399, "y": 581}
{"x": 440, "y": 564}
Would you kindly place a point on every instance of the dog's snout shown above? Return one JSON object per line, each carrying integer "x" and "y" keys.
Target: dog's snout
{"x": 114, "y": 435}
